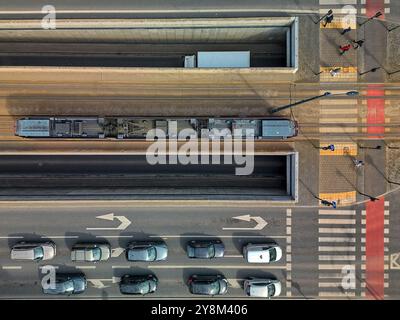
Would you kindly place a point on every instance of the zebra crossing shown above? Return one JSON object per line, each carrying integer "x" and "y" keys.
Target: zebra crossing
{"x": 339, "y": 6}
{"x": 337, "y": 255}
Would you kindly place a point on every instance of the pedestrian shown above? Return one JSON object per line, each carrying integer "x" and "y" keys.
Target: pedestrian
{"x": 345, "y": 48}
{"x": 328, "y": 19}
{"x": 334, "y": 72}
{"x": 358, "y": 43}
{"x": 358, "y": 163}
{"x": 331, "y": 147}
{"x": 345, "y": 30}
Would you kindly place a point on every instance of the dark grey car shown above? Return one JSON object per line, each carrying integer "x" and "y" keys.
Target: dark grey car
{"x": 205, "y": 249}
{"x": 147, "y": 251}
{"x": 142, "y": 285}
{"x": 67, "y": 284}
{"x": 208, "y": 285}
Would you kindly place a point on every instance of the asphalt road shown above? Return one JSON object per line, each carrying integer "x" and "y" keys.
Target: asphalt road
{"x": 297, "y": 230}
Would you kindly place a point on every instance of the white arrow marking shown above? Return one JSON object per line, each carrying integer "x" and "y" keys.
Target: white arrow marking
{"x": 116, "y": 252}
{"x": 110, "y": 216}
{"x": 261, "y": 223}
{"x": 99, "y": 283}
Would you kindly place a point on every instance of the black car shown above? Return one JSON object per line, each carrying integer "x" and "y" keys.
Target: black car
{"x": 67, "y": 284}
{"x": 208, "y": 285}
{"x": 142, "y": 285}
{"x": 205, "y": 249}
{"x": 147, "y": 251}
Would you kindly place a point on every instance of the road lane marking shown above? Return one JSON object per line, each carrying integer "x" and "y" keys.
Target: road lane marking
{"x": 336, "y": 239}
{"x": 337, "y": 212}
{"x": 336, "y": 258}
{"x": 233, "y": 256}
{"x": 218, "y": 236}
{"x": 336, "y": 230}
{"x": 328, "y": 248}
{"x": 11, "y": 267}
{"x": 11, "y": 237}
{"x": 336, "y": 294}
{"x": 59, "y": 237}
{"x": 331, "y": 276}
{"x": 85, "y": 267}
{"x": 219, "y": 267}
{"x": 331, "y": 266}
{"x": 337, "y": 221}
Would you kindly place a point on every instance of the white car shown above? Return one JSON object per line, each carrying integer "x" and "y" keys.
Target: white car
{"x": 35, "y": 251}
{"x": 263, "y": 288}
{"x": 262, "y": 253}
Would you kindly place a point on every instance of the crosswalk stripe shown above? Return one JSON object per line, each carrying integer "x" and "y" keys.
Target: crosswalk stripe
{"x": 336, "y": 294}
{"x": 336, "y": 258}
{"x": 337, "y": 221}
{"x": 330, "y": 275}
{"x": 338, "y": 130}
{"x": 341, "y": 2}
{"x": 338, "y": 248}
{"x": 336, "y": 230}
{"x": 338, "y": 212}
{"x": 331, "y": 266}
{"x": 338, "y": 120}
{"x": 336, "y": 239}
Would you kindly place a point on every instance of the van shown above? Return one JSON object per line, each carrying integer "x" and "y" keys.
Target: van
{"x": 276, "y": 128}
{"x": 33, "y": 251}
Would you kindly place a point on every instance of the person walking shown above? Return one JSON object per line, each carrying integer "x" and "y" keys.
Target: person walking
{"x": 345, "y": 48}
{"x": 345, "y": 31}
{"x": 358, "y": 44}
{"x": 334, "y": 72}
{"x": 328, "y": 19}
{"x": 358, "y": 163}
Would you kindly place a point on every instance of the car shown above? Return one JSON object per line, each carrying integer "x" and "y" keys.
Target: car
{"x": 262, "y": 253}
{"x": 67, "y": 284}
{"x": 34, "y": 251}
{"x": 209, "y": 285}
{"x": 263, "y": 288}
{"x": 90, "y": 252}
{"x": 205, "y": 249}
{"x": 135, "y": 284}
{"x": 147, "y": 251}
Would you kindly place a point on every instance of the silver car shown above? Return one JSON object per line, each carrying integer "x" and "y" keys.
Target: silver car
{"x": 262, "y": 253}
{"x": 33, "y": 251}
{"x": 263, "y": 288}
{"x": 90, "y": 252}
{"x": 147, "y": 251}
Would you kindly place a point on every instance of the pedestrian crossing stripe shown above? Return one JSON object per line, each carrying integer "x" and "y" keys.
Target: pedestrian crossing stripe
{"x": 340, "y": 197}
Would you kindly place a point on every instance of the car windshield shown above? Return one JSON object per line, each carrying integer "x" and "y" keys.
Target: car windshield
{"x": 211, "y": 251}
{"x": 208, "y": 287}
{"x": 152, "y": 253}
{"x": 272, "y": 254}
{"x": 96, "y": 252}
{"x": 38, "y": 253}
{"x": 67, "y": 286}
{"x": 271, "y": 290}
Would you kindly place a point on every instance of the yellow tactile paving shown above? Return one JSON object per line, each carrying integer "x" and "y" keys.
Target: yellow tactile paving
{"x": 345, "y": 74}
{"x": 341, "y": 198}
{"x": 340, "y": 23}
{"x": 341, "y": 149}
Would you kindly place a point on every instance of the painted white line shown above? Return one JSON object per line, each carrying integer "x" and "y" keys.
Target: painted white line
{"x": 335, "y": 2}
{"x": 364, "y": 221}
{"x": 336, "y": 239}
{"x": 85, "y": 267}
{"x": 336, "y": 258}
{"x": 385, "y": 275}
{"x": 385, "y": 258}
{"x": 120, "y": 236}
{"x": 385, "y": 230}
{"x": 338, "y": 212}
{"x": 336, "y": 230}
{"x": 233, "y": 256}
{"x": 259, "y": 267}
{"x": 330, "y": 285}
{"x": 338, "y": 248}
{"x": 122, "y": 267}
{"x": 337, "y": 221}
{"x": 336, "y": 294}
{"x": 385, "y": 240}
{"x": 59, "y": 237}
{"x": 387, "y": 203}
{"x": 11, "y": 267}
{"x": 235, "y": 283}
{"x": 385, "y": 267}
{"x": 55, "y": 267}
{"x": 331, "y": 266}
{"x": 217, "y": 236}
{"x": 364, "y": 285}
{"x": 386, "y": 249}
{"x": 11, "y": 237}
{"x": 330, "y": 276}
